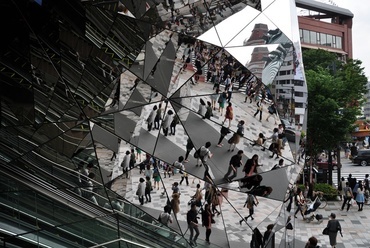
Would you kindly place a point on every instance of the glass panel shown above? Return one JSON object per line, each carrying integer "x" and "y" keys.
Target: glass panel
{"x": 323, "y": 39}
{"x": 313, "y": 38}
{"x": 306, "y": 36}
{"x": 329, "y": 40}
{"x": 339, "y": 42}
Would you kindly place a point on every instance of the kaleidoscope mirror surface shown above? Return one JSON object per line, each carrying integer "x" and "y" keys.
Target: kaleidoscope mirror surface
{"x": 132, "y": 110}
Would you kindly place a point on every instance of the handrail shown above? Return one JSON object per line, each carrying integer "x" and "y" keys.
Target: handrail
{"x": 120, "y": 239}
{"x": 93, "y": 211}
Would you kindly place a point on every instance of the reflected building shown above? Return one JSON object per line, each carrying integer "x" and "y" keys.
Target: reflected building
{"x": 321, "y": 26}
{"x": 84, "y": 84}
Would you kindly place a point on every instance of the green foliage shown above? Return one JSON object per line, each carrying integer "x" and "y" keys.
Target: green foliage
{"x": 335, "y": 96}
{"x": 314, "y": 59}
{"x": 330, "y": 192}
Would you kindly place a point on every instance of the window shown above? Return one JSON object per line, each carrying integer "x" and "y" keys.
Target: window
{"x": 298, "y": 83}
{"x": 313, "y": 37}
{"x": 329, "y": 40}
{"x": 301, "y": 34}
{"x": 306, "y": 36}
{"x": 339, "y": 42}
{"x": 299, "y": 104}
{"x": 322, "y": 39}
{"x": 299, "y": 94}
{"x": 282, "y": 73}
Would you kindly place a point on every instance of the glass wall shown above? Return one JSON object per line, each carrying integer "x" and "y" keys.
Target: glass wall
{"x": 316, "y": 38}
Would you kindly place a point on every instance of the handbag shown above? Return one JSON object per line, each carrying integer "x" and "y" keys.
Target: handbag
{"x": 325, "y": 231}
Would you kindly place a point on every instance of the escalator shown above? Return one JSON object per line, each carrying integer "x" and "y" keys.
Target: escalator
{"x": 52, "y": 215}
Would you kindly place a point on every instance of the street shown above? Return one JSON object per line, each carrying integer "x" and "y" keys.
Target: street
{"x": 348, "y": 167}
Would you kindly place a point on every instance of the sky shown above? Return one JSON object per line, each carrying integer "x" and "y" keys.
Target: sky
{"x": 360, "y": 30}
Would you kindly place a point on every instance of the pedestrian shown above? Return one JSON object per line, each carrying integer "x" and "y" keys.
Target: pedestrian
{"x": 207, "y": 221}
{"x": 148, "y": 171}
{"x": 274, "y": 142}
{"x": 272, "y": 113}
{"x": 367, "y": 187}
{"x": 209, "y": 112}
{"x": 341, "y": 188}
{"x": 158, "y": 117}
{"x": 235, "y": 139}
{"x": 230, "y": 91}
{"x": 347, "y": 197}
{"x": 229, "y": 115}
{"x": 202, "y": 108}
{"x": 174, "y": 122}
{"x": 198, "y": 196}
{"x": 165, "y": 217}
{"x": 269, "y": 237}
{"x": 250, "y": 203}
{"x": 259, "y": 109}
{"x": 125, "y": 164}
{"x": 151, "y": 117}
{"x": 89, "y": 186}
{"x": 279, "y": 165}
{"x": 234, "y": 164}
{"x": 148, "y": 189}
{"x": 203, "y": 154}
{"x": 138, "y": 154}
{"x": 140, "y": 192}
{"x": 250, "y": 167}
{"x": 224, "y": 131}
{"x": 214, "y": 97}
{"x": 167, "y": 122}
{"x": 156, "y": 176}
{"x": 299, "y": 202}
{"x": 333, "y": 227}
{"x": 132, "y": 159}
{"x": 189, "y": 147}
{"x": 312, "y": 243}
{"x": 259, "y": 141}
{"x": 175, "y": 203}
{"x": 360, "y": 197}
{"x": 191, "y": 219}
{"x": 221, "y": 102}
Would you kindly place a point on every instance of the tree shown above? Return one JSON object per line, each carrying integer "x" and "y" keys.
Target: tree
{"x": 335, "y": 96}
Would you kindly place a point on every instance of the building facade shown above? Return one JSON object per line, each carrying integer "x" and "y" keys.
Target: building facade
{"x": 321, "y": 26}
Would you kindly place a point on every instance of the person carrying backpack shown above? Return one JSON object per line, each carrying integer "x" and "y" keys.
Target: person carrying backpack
{"x": 347, "y": 197}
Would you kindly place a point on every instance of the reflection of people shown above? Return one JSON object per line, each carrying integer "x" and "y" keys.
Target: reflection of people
{"x": 165, "y": 217}
{"x": 235, "y": 139}
{"x": 224, "y": 131}
{"x": 261, "y": 190}
{"x": 234, "y": 164}
{"x": 269, "y": 237}
{"x": 250, "y": 203}
{"x": 192, "y": 221}
{"x": 251, "y": 165}
{"x": 229, "y": 114}
{"x": 151, "y": 118}
{"x": 207, "y": 221}
{"x": 279, "y": 165}
{"x": 250, "y": 182}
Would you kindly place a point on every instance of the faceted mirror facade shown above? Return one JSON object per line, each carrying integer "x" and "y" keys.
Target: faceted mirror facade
{"x": 98, "y": 95}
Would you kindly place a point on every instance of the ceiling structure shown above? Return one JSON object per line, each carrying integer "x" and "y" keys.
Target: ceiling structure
{"x": 77, "y": 75}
